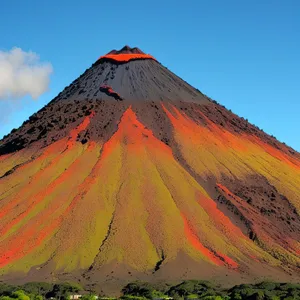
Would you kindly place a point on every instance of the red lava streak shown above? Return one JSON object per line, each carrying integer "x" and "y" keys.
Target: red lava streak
{"x": 24, "y": 244}
{"x": 218, "y": 216}
{"x": 33, "y": 235}
{"x": 217, "y": 258}
{"x": 82, "y": 126}
{"x": 193, "y": 239}
{"x": 126, "y": 57}
{"x": 229, "y": 261}
{"x": 71, "y": 142}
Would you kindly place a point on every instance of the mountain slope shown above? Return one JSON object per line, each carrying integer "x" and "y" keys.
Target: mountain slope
{"x": 130, "y": 169}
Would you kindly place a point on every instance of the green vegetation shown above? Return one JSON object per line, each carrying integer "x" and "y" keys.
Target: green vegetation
{"x": 196, "y": 289}
{"x": 141, "y": 290}
{"x": 40, "y": 291}
{"x": 187, "y": 290}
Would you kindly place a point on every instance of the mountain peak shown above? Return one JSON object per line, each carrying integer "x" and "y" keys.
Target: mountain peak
{"x": 126, "y": 50}
{"x": 131, "y": 168}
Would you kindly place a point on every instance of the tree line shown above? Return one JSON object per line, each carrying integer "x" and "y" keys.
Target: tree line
{"x": 186, "y": 290}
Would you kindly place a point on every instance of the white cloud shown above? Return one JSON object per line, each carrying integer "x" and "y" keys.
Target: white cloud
{"x": 22, "y": 73}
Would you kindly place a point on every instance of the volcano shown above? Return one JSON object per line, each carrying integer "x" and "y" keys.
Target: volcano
{"x": 132, "y": 173}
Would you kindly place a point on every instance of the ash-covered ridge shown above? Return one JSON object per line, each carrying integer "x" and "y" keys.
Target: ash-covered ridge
{"x": 136, "y": 80}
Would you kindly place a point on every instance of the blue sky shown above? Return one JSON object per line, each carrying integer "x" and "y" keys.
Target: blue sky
{"x": 244, "y": 54}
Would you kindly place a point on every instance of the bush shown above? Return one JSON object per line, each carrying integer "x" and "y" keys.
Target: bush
{"x": 142, "y": 289}
{"x": 88, "y": 297}
{"x": 215, "y": 298}
{"x": 37, "y": 288}
{"x": 63, "y": 290}
{"x": 192, "y": 296}
{"x": 20, "y": 295}
{"x": 265, "y": 290}
{"x": 130, "y": 297}
{"x": 5, "y": 298}
{"x": 6, "y": 290}
{"x": 266, "y": 285}
{"x": 190, "y": 287}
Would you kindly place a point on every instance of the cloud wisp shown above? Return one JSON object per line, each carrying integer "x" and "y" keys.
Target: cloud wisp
{"x": 22, "y": 73}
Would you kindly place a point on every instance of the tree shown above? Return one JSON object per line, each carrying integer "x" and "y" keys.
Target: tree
{"x": 63, "y": 290}
{"x": 37, "y": 288}
{"x": 88, "y": 297}
{"x": 189, "y": 287}
{"x": 141, "y": 289}
{"x": 20, "y": 295}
